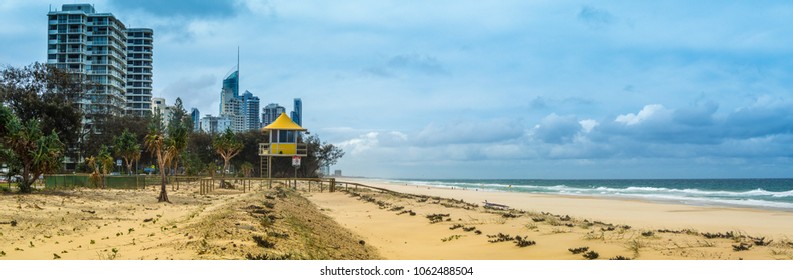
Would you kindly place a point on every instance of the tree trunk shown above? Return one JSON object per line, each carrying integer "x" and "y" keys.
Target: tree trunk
{"x": 163, "y": 192}
{"x": 223, "y": 175}
{"x": 129, "y": 166}
{"x": 24, "y": 185}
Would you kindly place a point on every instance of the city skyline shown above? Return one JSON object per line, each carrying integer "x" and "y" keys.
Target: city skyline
{"x": 512, "y": 89}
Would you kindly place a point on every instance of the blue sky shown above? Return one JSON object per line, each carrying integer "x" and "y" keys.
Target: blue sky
{"x": 484, "y": 89}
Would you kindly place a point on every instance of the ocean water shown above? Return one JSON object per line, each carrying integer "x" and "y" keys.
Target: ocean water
{"x": 753, "y": 193}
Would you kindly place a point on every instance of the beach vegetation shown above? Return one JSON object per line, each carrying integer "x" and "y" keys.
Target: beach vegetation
{"x": 554, "y": 222}
{"x": 635, "y": 246}
{"x": 247, "y": 169}
{"x": 277, "y": 235}
{"x": 591, "y": 255}
{"x": 727, "y": 235}
{"x": 593, "y": 235}
{"x": 648, "y": 233}
{"x": 265, "y": 256}
{"x": 578, "y": 250}
{"x": 179, "y": 126}
{"x": 263, "y": 242}
{"x": 162, "y": 148}
{"x": 25, "y": 146}
{"x": 436, "y": 218}
{"x": 268, "y": 204}
{"x": 227, "y": 145}
{"x": 128, "y": 148}
{"x": 741, "y": 247}
{"x": 101, "y": 164}
{"x": 619, "y": 258}
{"x": 455, "y": 226}
{"x": 47, "y": 96}
{"x": 450, "y": 238}
{"x": 509, "y": 215}
{"x": 684, "y": 231}
{"x": 760, "y": 241}
{"x": 523, "y": 242}
{"x": 531, "y": 226}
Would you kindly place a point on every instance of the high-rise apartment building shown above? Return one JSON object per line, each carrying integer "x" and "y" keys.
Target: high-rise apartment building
{"x": 297, "y": 111}
{"x": 90, "y": 45}
{"x": 158, "y": 106}
{"x": 94, "y": 46}
{"x": 214, "y": 125}
{"x": 250, "y": 111}
{"x": 139, "y": 71}
{"x": 271, "y": 112}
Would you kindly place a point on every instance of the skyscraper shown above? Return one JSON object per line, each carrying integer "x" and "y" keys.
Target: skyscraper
{"x": 94, "y": 46}
{"x": 229, "y": 92}
{"x": 271, "y": 112}
{"x": 195, "y": 115}
{"x": 230, "y": 102}
{"x": 297, "y": 113}
{"x": 250, "y": 111}
{"x": 139, "y": 70}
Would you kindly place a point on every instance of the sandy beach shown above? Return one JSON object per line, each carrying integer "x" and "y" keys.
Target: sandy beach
{"x": 410, "y": 223}
{"x": 557, "y": 224}
{"x": 107, "y": 224}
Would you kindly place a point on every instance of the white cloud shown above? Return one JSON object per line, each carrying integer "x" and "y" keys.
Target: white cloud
{"x": 648, "y": 112}
{"x": 588, "y": 124}
{"x": 360, "y": 144}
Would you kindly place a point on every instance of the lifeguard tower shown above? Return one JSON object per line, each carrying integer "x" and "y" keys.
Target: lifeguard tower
{"x": 282, "y": 136}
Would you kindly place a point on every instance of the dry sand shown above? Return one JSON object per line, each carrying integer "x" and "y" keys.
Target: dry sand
{"x": 371, "y": 224}
{"x": 632, "y": 229}
{"x": 96, "y": 224}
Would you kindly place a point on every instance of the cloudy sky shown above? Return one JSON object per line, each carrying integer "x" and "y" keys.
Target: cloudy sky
{"x": 486, "y": 89}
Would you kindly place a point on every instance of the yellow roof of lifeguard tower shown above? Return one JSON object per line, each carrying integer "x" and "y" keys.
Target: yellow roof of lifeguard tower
{"x": 283, "y": 122}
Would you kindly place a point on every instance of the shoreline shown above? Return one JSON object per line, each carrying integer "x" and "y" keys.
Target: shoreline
{"x": 692, "y": 201}
{"x": 636, "y": 212}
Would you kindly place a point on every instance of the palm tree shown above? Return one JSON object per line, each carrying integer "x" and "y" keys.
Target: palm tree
{"x": 178, "y": 143}
{"x": 101, "y": 163}
{"x": 227, "y": 146}
{"x": 157, "y": 144}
